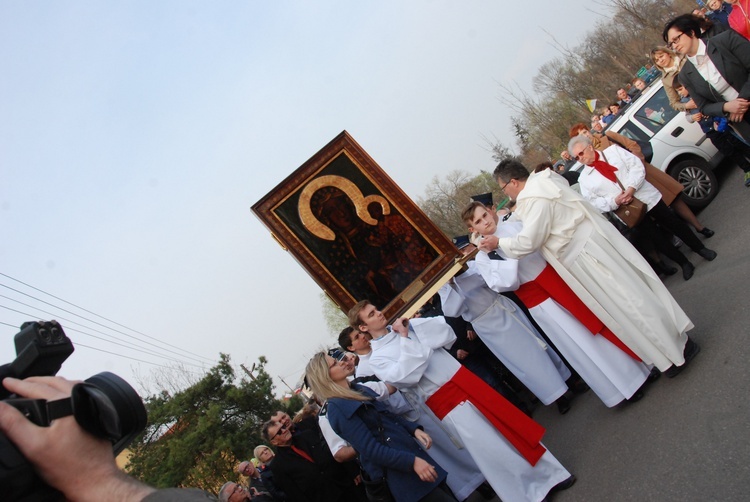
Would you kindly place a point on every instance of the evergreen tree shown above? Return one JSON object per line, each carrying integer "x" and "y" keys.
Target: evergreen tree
{"x": 195, "y": 437}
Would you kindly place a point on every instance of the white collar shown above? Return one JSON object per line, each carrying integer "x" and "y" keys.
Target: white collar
{"x": 700, "y": 52}
{"x": 378, "y": 339}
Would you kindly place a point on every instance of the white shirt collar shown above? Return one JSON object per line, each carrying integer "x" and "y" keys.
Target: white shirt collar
{"x": 701, "y": 52}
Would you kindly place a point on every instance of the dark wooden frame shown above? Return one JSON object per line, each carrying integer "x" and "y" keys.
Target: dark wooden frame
{"x": 344, "y": 158}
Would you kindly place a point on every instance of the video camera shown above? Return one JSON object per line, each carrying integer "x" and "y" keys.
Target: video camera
{"x": 105, "y": 405}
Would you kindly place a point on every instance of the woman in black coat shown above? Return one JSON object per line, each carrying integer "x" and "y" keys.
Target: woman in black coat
{"x": 728, "y": 54}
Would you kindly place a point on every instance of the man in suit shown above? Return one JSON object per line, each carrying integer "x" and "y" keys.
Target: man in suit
{"x": 623, "y": 98}
{"x": 717, "y": 71}
{"x": 304, "y": 467}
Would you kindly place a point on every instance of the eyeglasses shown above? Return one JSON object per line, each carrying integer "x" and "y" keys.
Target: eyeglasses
{"x": 674, "y": 41}
{"x": 237, "y": 489}
{"x": 580, "y": 154}
{"x": 508, "y": 183}
{"x": 281, "y": 429}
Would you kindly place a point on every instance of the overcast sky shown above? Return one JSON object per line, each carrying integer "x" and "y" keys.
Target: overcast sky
{"x": 135, "y": 136}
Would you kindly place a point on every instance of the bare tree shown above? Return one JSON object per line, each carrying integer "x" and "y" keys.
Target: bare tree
{"x": 171, "y": 379}
{"x": 608, "y": 58}
{"x": 334, "y": 317}
{"x": 445, "y": 198}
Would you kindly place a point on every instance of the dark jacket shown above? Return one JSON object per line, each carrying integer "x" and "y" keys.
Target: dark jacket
{"x": 266, "y": 474}
{"x": 730, "y": 53}
{"x": 264, "y": 494}
{"x": 323, "y": 480}
{"x": 358, "y": 422}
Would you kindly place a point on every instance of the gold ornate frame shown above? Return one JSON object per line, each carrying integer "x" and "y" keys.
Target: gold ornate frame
{"x": 322, "y": 214}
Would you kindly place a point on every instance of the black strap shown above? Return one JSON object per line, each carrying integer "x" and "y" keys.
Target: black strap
{"x": 365, "y": 379}
{"x": 60, "y": 408}
{"x": 618, "y": 179}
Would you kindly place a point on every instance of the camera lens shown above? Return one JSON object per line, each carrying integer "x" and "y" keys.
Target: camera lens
{"x": 127, "y": 403}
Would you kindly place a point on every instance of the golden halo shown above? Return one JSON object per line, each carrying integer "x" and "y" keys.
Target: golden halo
{"x": 350, "y": 189}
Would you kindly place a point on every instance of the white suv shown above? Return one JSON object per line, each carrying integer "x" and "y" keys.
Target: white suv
{"x": 679, "y": 147}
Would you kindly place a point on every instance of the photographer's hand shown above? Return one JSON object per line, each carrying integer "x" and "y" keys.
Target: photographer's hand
{"x": 69, "y": 459}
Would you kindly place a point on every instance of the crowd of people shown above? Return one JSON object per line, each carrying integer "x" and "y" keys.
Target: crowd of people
{"x": 704, "y": 68}
{"x": 555, "y": 300}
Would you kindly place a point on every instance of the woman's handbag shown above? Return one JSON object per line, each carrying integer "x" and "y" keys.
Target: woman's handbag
{"x": 633, "y": 213}
{"x": 376, "y": 489}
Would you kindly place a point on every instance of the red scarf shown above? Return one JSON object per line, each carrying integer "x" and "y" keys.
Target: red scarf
{"x": 605, "y": 169}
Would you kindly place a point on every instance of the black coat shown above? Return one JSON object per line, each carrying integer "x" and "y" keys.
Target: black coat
{"x": 267, "y": 476}
{"x": 730, "y": 53}
{"x": 323, "y": 480}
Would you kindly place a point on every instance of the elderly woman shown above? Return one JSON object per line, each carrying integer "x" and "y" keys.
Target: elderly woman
{"x": 264, "y": 454}
{"x": 384, "y": 441}
{"x": 669, "y": 187}
{"x": 614, "y": 177}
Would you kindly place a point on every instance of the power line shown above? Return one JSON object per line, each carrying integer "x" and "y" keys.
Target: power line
{"x": 68, "y": 328}
{"x": 117, "y": 354}
{"x": 97, "y": 315}
{"x": 133, "y": 358}
{"x": 138, "y": 348}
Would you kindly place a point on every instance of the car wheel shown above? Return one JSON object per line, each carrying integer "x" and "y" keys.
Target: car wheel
{"x": 698, "y": 180}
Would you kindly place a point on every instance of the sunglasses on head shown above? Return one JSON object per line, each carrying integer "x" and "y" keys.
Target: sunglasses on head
{"x": 337, "y": 354}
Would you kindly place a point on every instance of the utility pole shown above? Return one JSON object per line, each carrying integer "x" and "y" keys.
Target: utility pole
{"x": 280, "y": 378}
{"x": 248, "y": 371}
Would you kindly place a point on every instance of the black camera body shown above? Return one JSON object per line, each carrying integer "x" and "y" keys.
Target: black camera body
{"x": 104, "y": 405}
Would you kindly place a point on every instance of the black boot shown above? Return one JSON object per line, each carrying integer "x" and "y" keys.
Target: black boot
{"x": 687, "y": 270}
{"x": 662, "y": 268}
{"x": 708, "y": 254}
{"x": 563, "y": 405}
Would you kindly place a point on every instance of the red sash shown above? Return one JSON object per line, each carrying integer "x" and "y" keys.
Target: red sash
{"x": 521, "y": 431}
{"x": 549, "y": 284}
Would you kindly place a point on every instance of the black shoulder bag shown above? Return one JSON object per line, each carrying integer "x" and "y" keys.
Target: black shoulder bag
{"x": 376, "y": 489}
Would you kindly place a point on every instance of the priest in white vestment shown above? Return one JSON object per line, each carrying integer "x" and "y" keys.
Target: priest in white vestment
{"x": 611, "y": 372}
{"x": 598, "y": 263}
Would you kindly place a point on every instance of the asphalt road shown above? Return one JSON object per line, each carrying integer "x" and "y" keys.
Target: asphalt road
{"x": 688, "y": 439}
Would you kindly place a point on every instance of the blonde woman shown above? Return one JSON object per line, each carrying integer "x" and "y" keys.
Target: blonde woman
{"x": 670, "y": 63}
{"x": 385, "y": 442}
